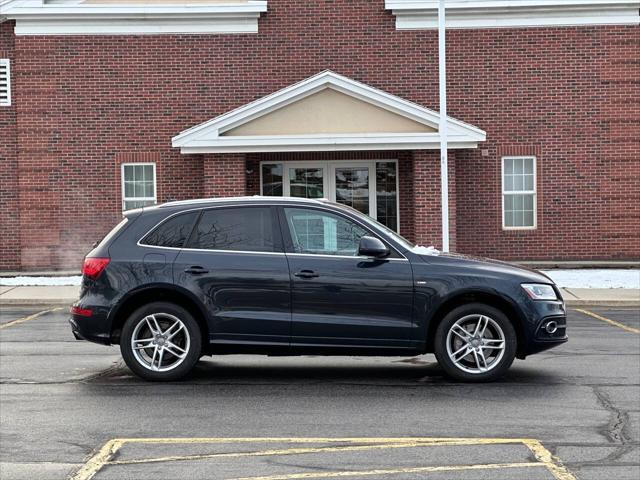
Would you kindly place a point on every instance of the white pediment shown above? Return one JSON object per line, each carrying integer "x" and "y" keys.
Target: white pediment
{"x": 326, "y": 112}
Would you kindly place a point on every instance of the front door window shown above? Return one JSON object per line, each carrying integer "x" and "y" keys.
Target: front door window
{"x": 370, "y": 187}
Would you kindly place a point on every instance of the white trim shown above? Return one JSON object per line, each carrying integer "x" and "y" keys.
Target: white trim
{"x": 329, "y": 188}
{"x": 533, "y": 192}
{"x": 112, "y": 19}
{"x": 138, "y": 199}
{"x": 206, "y": 137}
{"x": 423, "y": 14}
{"x": 6, "y": 102}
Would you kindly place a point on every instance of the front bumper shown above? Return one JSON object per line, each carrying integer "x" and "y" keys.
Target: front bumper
{"x": 547, "y": 326}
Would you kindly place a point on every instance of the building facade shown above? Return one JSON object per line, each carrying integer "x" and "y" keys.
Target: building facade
{"x": 107, "y": 105}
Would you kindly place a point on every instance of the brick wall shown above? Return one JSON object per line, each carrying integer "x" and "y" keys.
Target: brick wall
{"x": 224, "y": 175}
{"x": 570, "y": 94}
{"x": 9, "y": 205}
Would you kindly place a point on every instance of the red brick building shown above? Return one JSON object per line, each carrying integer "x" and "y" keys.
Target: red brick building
{"x": 111, "y": 104}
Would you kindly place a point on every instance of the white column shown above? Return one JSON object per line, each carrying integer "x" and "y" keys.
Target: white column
{"x": 444, "y": 171}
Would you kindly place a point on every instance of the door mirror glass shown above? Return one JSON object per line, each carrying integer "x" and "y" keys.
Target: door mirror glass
{"x": 372, "y": 247}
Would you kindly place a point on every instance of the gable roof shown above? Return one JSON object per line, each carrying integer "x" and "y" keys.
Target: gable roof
{"x": 209, "y": 136}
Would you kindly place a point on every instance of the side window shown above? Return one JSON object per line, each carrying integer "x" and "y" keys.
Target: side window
{"x": 173, "y": 232}
{"x": 318, "y": 232}
{"x": 248, "y": 229}
{"x": 138, "y": 185}
{"x": 518, "y": 193}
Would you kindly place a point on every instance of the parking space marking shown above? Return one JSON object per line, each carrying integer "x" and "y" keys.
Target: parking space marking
{"x": 18, "y": 321}
{"x": 544, "y": 458}
{"x": 395, "y": 471}
{"x": 608, "y": 320}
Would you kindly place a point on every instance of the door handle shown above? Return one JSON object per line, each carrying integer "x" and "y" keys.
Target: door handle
{"x": 306, "y": 274}
{"x": 196, "y": 270}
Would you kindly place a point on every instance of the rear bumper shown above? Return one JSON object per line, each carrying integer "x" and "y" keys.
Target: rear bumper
{"x": 82, "y": 329}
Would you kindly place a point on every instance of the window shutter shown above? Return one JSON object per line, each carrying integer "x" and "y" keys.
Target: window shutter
{"x": 5, "y": 83}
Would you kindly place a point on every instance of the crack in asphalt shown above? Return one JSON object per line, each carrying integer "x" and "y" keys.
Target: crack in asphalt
{"x": 616, "y": 429}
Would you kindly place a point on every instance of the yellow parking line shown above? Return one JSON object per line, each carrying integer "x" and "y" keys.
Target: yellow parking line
{"x": 95, "y": 463}
{"x": 393, "y": 471}
{"x": 433, "y": 440}
{"x": 30, "y": 317}
{"x": 290, "y": 451}
{"x": 109, "y": 449}
{"x": 554, "y": 464}
{"x": 608, "y": 320}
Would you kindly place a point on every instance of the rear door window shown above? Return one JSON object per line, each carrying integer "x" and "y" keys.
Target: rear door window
{"x": 173, "y": 232}
{"x": 246, "y": 229}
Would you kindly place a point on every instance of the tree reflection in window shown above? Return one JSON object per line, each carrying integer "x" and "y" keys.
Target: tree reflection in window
{"x": 242, "y": 229}
{"x": 172, "y": 233}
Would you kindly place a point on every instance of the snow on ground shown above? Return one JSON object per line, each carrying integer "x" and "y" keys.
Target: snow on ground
{"x": 595, "y": 278}
{"x": 575, "y": 278}
{"x": 39, "y": 281}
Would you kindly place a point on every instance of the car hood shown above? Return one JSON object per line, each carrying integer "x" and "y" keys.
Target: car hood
{"x": 482, "y": 265}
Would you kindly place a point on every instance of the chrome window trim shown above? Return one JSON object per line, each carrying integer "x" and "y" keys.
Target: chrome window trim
{"x": 360, "y": 257}
{"x": 262, "y": 204}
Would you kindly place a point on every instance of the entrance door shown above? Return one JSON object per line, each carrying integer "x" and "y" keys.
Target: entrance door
{"x": 370, "y": 186}
{"x": 351, "y": 185}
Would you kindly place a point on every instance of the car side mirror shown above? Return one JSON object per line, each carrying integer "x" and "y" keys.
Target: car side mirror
{"x": 372, "y": 247}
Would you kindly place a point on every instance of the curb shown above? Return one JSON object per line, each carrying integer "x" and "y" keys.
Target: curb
{"x": 602, "y": 303}
{"x": 28, "y": 302}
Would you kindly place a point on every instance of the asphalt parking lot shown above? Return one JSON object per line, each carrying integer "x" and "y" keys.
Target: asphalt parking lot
{"x": 71, "y": 409}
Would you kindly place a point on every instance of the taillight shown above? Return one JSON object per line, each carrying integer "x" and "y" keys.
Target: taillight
{"x": 93, "y": 267}
{"x": 84, "y": 312}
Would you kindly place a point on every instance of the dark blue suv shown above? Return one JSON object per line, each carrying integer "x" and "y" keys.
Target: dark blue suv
{"x": 286, "y": 276}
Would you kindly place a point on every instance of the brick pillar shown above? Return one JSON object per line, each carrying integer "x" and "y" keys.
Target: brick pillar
{"x": 224, "y": 175}
{"x": 427, "y": 208}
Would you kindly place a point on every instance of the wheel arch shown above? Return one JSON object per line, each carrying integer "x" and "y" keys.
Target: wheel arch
{"x": 493, "y": 299}
{"x": 157, "y": 293}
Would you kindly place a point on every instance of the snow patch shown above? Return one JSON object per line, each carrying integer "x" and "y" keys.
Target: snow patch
{"x": 420, "y": 250}
{"x": 595, "y": 278}
{"x": 40, "y": 281}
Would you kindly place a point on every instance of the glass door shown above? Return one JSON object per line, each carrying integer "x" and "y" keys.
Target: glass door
{"x": 352, "y": 185}
{"x": 369, "y": 186}
{"x": 306, "y": 181}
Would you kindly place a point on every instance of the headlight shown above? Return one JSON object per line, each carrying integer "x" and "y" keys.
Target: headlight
{"x": 540, "y": 291}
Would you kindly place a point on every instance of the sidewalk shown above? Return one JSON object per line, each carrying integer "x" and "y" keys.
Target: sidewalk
{"x": 66, "y": 295}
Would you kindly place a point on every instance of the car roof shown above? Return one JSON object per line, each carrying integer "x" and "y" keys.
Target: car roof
{"x": 242, "y": 200}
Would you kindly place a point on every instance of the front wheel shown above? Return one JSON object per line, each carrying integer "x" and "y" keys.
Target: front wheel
{"x": 161, "y": 342}
{"x": 475, "y": 343}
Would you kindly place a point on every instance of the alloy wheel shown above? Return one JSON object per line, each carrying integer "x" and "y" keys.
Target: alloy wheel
{"x": 160, "y": 342}
{"x": 475, "y": 344}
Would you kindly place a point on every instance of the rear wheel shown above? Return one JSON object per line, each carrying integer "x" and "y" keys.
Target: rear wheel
{"x": 161, "y": 342}
{"x": 475, "y": 343}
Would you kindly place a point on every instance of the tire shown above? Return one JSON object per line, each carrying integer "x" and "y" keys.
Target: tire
{"x": 469, "y": 353}
{"x": 166, "y": 329}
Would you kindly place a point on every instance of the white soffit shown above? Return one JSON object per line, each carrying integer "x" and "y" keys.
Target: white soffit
{"x": 208, "y": 137}
{"x": 423, "y": 14}
{"x": 73, "y": 17}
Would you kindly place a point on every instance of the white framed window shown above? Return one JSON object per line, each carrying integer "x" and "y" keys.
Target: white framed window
{"x": 370, "y": 186}
{"x": 138, "y": 185}
{"x": 519, "y": 180}
{"x": 5, "y": 83}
